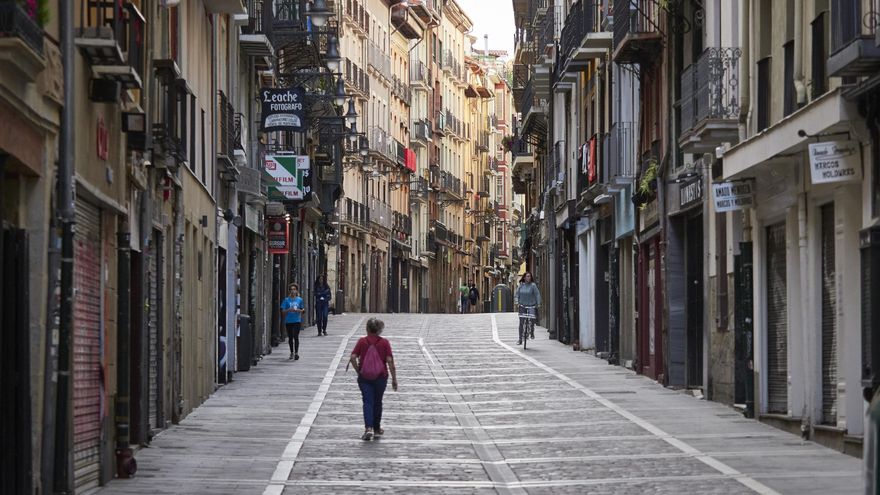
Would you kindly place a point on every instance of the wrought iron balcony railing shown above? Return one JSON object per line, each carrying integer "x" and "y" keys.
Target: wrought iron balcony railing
{"x": 16, "y": 23}
{"x": 636, "y": 22}
{"x": 354, "y": 213}
{"x": 622, "y": 153}
{"x": 710, "y": 88}
{"x": 380, "y": 212}
{"x": 579, "y": 22}
{"x": 112, "y": 36}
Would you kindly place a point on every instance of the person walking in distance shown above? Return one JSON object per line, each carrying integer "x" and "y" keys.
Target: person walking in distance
{"x": 322, "y": 304}
{"x": 474, "y": 297}
{"x": 373, "y": 360}
{"x": 292, "y": 309}
{"x": 527, "y": 298}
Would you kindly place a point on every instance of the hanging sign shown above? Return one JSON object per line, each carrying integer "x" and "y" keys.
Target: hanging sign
{"x": 732, "y": 196}
{"x": 690, "y": 193}
{"x": 277, "y": 234}
{"x": 835, "y": 161}
{"x": 283, "y": 109}
{"x": 288, "y": 177}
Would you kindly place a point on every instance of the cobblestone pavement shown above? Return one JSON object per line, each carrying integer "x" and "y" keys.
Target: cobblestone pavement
{"x": 474, "y": 414}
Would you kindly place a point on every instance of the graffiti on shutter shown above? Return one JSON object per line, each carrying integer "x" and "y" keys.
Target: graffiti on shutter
{"x": 829, "y": 319}
{"x": 777, "y": 321}
{"x": 87, "y": 385}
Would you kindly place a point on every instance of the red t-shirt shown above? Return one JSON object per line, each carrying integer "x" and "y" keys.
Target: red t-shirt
{"x": 383, "y": 347}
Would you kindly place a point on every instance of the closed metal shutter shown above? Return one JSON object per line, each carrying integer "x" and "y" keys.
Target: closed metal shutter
{"x": 829, "y": 319}
{"x": 777, "y": 321}
{"x": 87, "y": 385}
{"x": 153, "y": 327}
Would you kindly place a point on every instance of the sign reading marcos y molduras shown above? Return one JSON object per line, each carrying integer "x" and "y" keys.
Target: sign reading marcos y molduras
{"x": 288, "y": 177}
{"x": 733, "y": 196}
{"x": 835, "y": 161}
{"x": 283, "y": 109}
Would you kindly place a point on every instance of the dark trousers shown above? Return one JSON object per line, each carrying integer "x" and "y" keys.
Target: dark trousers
{"x": 322, "y": 313}
{"x": 372, "y": 392}
{"x": 293, "y": 336}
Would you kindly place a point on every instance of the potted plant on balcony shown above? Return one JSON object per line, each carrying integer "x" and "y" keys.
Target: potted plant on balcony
{"x": 647, "y": 184}
{"x": 508, "y": 142}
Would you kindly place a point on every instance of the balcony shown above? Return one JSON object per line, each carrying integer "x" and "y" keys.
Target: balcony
{"x": 256, "y": 36}
{"x": 427, "y": 11}
{"x": 380, "y": 144}
{"x": 420, "y": 135}
{"x": 170, "y": 121}
{"x": 440, "y": 126}
{"x": 380, "y": 213}
{"x": 451, "y": 185}
{"x": 420, "y": 75}
{"x": 534, "y": 111}
{"x": 523, "y": 158}
{"x": 485, "y": 187}
{"x": 481, "y": 143}
{"x": 409, "y": 26}
{"x": 379, "y": 61}
{"x": 356, "y": 17}
{"x": 108, "y": 28}
{"x": 398, "y": 151}
{"x": 402, "y": 224}
{"x": 354, "y": 214}
{"x": 401, "y": 90}
{"x": 637, "y": 34}
{"x": 225, "y": 7}
{"x": 580, "y": 41}
{"x": 21, "y": 41}
{"x": 854, "y": 51}
{"x": 621, "y": 159}
{"x": 226, "y": 139}
{"x": 710, "y": 101}
{"x": 434, "y": 176}
{"x": 357, "y": 81}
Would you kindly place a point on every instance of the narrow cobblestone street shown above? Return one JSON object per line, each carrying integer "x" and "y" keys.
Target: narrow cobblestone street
{"x": 474, "y": 414}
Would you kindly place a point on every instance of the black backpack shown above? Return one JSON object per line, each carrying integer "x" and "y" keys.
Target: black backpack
{"x": 474, "y": 294}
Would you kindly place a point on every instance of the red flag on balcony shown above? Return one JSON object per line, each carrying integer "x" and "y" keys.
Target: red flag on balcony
{"x": 591, "y": 165}
{"x": 410, "y": 159}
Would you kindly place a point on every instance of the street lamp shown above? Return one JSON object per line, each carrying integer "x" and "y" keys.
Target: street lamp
{"x": 332, "y": 57}
{"x": 319, "y": 13}
{"x": 339, "y": 97}
{"x": 352, "y": 115}
{"x": 353, "y": 133}
{"x": 365, "y": 146}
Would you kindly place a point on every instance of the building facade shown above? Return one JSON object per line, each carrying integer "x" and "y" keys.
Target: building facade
{"x": 691, "y": 175}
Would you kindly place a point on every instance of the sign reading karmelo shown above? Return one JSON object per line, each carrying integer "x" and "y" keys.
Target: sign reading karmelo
{"x": 732, "y": 196}
{"x": 835, "y": 161}
{"x": 288, "y": 177}
{"x": 283, "y": 109}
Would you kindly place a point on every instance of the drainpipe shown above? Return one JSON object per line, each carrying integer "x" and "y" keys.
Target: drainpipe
{"x": 800, "y": 87}
{"x": 809, "y": 338}
{"x": 66, "y": 212}
{"x": 745, "y": 109}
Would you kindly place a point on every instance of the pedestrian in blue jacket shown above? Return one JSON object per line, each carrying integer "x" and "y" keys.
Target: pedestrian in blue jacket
{"x": 322, "y": 304}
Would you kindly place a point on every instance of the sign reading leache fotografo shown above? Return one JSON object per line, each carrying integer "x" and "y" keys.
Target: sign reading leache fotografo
{"x": 288, "y": 177}
{"x": 835, "y": 161}
{"x": 283, "y": 109}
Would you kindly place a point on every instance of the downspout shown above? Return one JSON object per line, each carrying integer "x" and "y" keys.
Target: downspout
{"x": 800, "y": 87}
{"x": 66, "y": 213}
{"x": 745, "y": 108}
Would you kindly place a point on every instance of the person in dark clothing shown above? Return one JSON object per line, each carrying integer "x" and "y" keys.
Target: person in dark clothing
{"x": 322, "y": 304}
{"x": 474, "y": 297}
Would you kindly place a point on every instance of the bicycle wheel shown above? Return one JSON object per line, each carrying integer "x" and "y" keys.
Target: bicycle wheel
{"x": 525, "y": 336}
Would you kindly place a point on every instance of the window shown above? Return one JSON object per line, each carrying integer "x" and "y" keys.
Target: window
{"x": 788, "y": 94}
{"x": 763, "y": 120}
{"x": 819, "y": 54}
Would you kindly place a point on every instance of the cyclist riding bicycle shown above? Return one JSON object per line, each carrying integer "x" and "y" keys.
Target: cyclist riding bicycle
{"x": 527, "y": 299}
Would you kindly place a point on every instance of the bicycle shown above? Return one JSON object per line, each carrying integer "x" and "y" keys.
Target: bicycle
{"x": 527, "y": 315}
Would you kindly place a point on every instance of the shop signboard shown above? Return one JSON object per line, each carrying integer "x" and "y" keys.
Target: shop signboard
{"x": 835, "y": 161}
{"x": 288, "y": 177}
{"x": 278, "y": 235}
{"x": 733, "y": 196}
{"x": 283, "y": 109}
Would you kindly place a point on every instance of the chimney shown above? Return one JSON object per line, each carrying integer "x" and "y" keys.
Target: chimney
{"x": 486, "y": 42}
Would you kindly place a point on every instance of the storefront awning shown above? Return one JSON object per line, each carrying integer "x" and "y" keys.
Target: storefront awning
{"x": 830, "y": 113}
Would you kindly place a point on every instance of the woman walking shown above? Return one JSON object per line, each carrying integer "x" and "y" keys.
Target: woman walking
{"x": 322, "y": 304}
{"x": 528, "y": 298}
{"x": 372, "y": 359}
{"x": 292, "y": 308}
